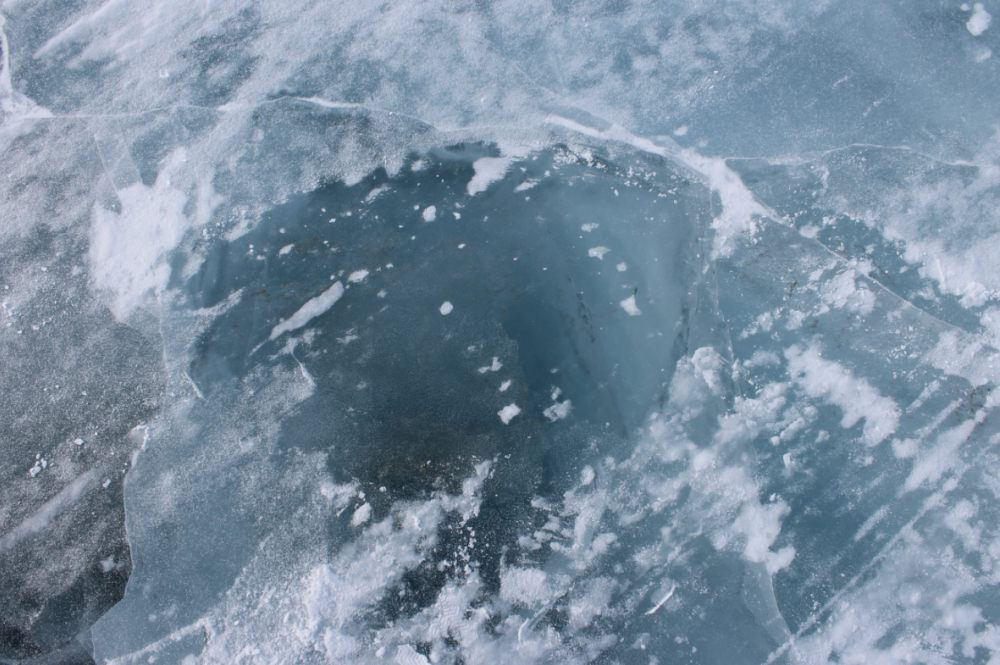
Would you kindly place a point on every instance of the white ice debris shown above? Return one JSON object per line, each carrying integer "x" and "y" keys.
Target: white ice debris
{"x": 357, "y": 276}
{"x": 524, "y": 586}
{"x": 630, "y": 307}
{"x": 558, "y": 411}
{"x": 980, "y": 20}
{"x": 361, "y": 515}
{"x": 598, "y": 252}
{"x": 313, "y": 308}
{"x": 587, "y": 228}
{"x": 622, "y": 267}
{"x": 505, "y": 385}
{"x": 494, "y": 367}
{"x": 446, "y": 308}
{"x": 287, "y": 249}
{"x": 488, "y": 170}
{"x": 508, "y": 412}
{"x": 430, "y": 212}
{"x": 374, "y": 194}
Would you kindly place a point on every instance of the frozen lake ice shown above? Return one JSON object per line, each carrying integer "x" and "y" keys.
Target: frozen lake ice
{"x": 501, "y": 332}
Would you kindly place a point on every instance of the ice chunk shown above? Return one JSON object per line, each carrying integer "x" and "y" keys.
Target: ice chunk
{"x": 598, "y": 252}
{"x": 493, "y": 367}
{"x": 979, "y": 21}
{"x": 630, "y": 307}
{"x": 361, "y": 515}
{"x": 508, "y": 412}
{"x": 313, "y": 308}
{"x": 488, "y": 170}
{"x": 558, "y": 411}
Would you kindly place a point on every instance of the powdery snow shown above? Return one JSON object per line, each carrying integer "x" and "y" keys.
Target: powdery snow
{"x": 855, "y": 396}
{"x": 524, "y": 586}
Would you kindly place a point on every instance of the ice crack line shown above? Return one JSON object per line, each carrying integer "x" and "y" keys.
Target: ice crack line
{"x": 739, "y": 203}
{"x": 934, "y": 500}
{"x": 815, "y": 156}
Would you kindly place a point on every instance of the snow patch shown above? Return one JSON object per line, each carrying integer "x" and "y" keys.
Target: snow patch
{"x": 524, "y": 586}
{"x": 128, "y": 249}
{"x": 855, "y": 396}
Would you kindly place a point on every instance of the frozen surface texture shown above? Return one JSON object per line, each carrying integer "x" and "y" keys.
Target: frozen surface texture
{"x": 502, "y": 332}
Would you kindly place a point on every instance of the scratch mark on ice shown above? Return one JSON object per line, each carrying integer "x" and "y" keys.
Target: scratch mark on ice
{"x": 670, "y": 594}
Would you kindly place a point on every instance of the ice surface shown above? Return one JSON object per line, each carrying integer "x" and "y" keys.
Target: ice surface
{"x": 313, "y": 300}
